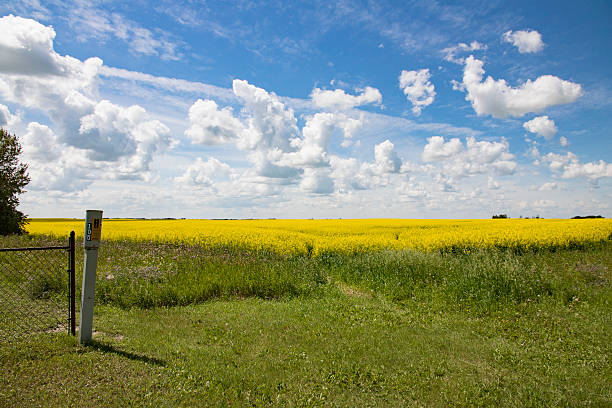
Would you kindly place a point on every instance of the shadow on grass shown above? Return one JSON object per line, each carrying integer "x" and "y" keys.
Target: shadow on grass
{"x": 107, "y": 348}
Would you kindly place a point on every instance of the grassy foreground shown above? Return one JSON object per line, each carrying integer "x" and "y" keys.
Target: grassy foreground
{"x": 180, "y": 325}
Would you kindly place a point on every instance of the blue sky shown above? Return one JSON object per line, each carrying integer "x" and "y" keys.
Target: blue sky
{"x": 317, "y": 109}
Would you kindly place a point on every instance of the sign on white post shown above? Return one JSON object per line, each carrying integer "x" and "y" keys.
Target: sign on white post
{"x": 91, "y": 242}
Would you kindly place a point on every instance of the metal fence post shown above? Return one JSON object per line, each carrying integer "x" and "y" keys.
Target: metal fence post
{"x": 72, "y": 294}
{"x": 91, "y": 242}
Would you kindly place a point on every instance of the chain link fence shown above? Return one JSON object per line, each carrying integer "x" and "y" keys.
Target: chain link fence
{"x": 37, "y": 290}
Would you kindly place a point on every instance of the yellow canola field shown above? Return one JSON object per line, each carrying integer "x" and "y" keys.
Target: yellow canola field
{"x": 316, "y": 237}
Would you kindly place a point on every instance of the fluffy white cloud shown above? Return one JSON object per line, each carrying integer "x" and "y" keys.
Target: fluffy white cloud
{"x": 52, "y": 164}
{"x": 527, "y": 41}
{"x": 436, "y": 149}
{"x": 40, "y": 143}
{"x": 570, "y": 166}
{"x": 65, "y": 176}
{"x": 592, "y": 171}
{"x": 338, "y": 99}
{"x": 317, "y": 181}
{"x": 279, "y": 151}
{"x": 6, "y": 118}
{"x": 271, "y": 124}
{"x": 486, "y": 152}
{"x": 112, "y": 133}
{"x": 557, "y": 161}
{"x": 477, "y": 157}
{"x": 123, "y": 141}
{"x": 33, "y": 74}
{"x": 351, "y": 125}
{"x": 269, "y": 131}
{"x": 412, "y": 190}
{"x": 265, "y": 164}
{"x": 444, "y": 183}
{"x": 417, "y": 88}
{"x": 550, "y": 186}
{"x": 26, "y": 48}
{"x": 347, "y": 174}
{"x": 211, "y": 125}
{"x": 483, "y": 154}
{"x": 204, "y": 173}
{"x": 386, "y": 162}
{"x": 497, "y": 98}
{"x": 563, "y": 141}
{"x": 386, "y": 159}
{"x": 312, "y": 147}
{"x": 504, "y": 167}
{"x": 350, "y": 174}
{"x": 542, "y": 126}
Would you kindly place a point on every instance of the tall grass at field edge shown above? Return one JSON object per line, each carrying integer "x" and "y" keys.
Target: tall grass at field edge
{"x": 483, "y": 279}
{"x": 135, "y": 274}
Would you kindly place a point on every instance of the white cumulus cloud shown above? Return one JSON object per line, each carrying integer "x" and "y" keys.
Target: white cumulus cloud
{"x": 338, "y": 99}
{"x": 437, "y": 149}
{"x": 6, "y": 118}
{"x": 418, "y": 88}
{"x": 26, "y": 48}
{"x": 52, "y": 164}
{"x": 570, "y": 167}
{"x": 476, "y": 157}
{"x": 500, "y": 100}
{"x": 347, "y": 174}
{"x": 558, "y": 161}
{"x": 317, "y": 181}
{"x": 527, "y": 41}
{"x": 486, "y": 152}
{"x": 33, "y": 74}
{"x": 386, "y": 159}
{"x": 121, "y": 140}
{"x": 211, "y": 125}
{"x": 40, "y": 143}
{"x": 271, "y": 124}
{"x": 548, "y": 186}
{"x": 204, "y": 173}
{"x": 126, "y": 135}
{"x": 592, "y": 171}
{"x": 542, "y": 126}
{"x": 350, "y": 174}
{"x": 312, "y": 147}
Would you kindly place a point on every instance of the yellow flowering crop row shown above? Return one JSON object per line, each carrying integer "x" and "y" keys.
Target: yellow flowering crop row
{"x": 316, "y": 237}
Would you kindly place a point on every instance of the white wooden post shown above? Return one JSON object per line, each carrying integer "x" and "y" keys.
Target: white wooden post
{"x": 91, "y": 242}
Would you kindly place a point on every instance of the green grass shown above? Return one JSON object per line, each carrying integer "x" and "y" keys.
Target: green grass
{"x": 217, "y": 328}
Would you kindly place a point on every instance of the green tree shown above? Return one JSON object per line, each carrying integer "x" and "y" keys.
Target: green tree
{"x": 13, "y": 178}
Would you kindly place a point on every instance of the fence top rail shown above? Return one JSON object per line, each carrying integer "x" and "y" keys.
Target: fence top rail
{"x": 34, "y": 248}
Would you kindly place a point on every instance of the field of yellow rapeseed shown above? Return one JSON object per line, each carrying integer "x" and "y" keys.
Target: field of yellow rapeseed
{"x": 316, "y": 237}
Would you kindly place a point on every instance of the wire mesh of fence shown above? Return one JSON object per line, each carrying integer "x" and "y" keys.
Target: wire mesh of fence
{"x": 35, "y": 291}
